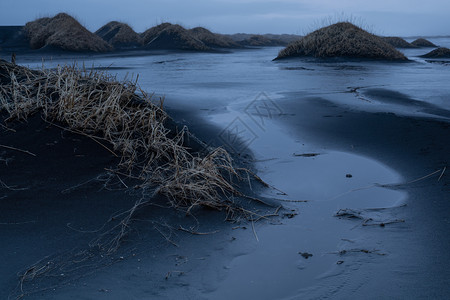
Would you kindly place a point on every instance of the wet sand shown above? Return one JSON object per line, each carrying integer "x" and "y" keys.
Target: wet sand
{"x": 51, "y": 211}
{"x": 49, "y": 216}
{"x": 414, "y": 147}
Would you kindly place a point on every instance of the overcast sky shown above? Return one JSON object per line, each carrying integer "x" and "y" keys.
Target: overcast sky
{"x": 387, "y": 17}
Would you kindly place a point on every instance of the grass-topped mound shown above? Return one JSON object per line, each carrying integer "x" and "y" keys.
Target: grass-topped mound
{"x": 149, "y": 150}
{"x": 342, "y": 40}
{"x": 397, "y": 42}
{"x": 211, "y": 39}
{"x": 119, "y": 35}
{"x": 175, "y": 37}
{"x": 441, "y": 52}
{"x": 128, "y": 125}
{"x": 423, "y": 43}
{"x": 65, "y": 33}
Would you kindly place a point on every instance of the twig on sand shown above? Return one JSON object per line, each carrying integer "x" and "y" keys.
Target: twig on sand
{"x": 412, "y": 181}
{"x": 123, "y": 174}
{"x": 166, "y": 237}
{"x": 83, "y": 134}
{"x": 169, "y": 274}
{"x": 18, "y": 223}
{"x": 7, "y": 128}
{"x": 4, "y": 185}
{"x": 17, "y": 149}
{"x": 181, "y": 228}
{"x": 126, "y": 186}
{"x": 254, "y": 231}
{"x": 382, "y": 224}
{"x": 275, "y": 214}
{"x": 442, "y": 174}
{"x": 292, "y": 201}
{"x": 68, "y": 190}
{"x": 346, "y": 251}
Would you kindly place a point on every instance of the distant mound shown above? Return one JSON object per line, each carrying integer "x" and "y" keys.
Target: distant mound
{"x": 212, "y": 40}
{"x": 119, "y": 35}
{"x": 261, "y": 40}
{"x": 397, "y": 42}
{"x": 423, "y": 43}
{"x": 438, "y": 53}
{"x": 175, "y": 37}
{"x": 258, "y": 40}
{"x": 284, "y": 38}
{"x": 342, "y": 40}
{"x": 153, "y": 32}
{"x": 65, "y": 33}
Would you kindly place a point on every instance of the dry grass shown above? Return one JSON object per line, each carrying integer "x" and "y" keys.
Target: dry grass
{"x": 342, "y": 40}
{"x": 130, "y": 126}
{"x": 63, "y": 32}
{"x": 119, "y": 35}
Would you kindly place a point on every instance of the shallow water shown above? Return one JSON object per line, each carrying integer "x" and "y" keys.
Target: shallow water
{"x": 243, "y": 94}
{"x": 202, "y": 79}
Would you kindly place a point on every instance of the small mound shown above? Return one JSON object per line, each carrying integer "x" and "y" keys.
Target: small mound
{"x": 342, "y": 40}
{"x": 151, "y": 33}
{"x": 438, "y": 53}
{"x": 119, "y": 35}
{"x": 175, "y": 37}
{"x": 212, "y": 40}
{"x": 65, "y": 33}
{"x": 423, "y": 43}
{"x": 258, "y": 40}
{"x": 397, "y": 42}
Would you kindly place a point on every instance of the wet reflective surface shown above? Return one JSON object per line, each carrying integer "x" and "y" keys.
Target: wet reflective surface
{"x": 285, "y": 113}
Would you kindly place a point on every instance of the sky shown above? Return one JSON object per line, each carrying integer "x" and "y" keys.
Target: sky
{"x": 384, "y": 17}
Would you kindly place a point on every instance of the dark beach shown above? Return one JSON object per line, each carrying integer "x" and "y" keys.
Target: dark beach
{"x": 368, "y": 140}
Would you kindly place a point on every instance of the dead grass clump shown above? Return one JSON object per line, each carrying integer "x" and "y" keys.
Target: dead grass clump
{"x": 63, "y": 32}
{"x": 423, "y": 43}
{"x": 342, "y": 40}
{"x": 397, "y": 42}
{"x": 438, "y": 53}
{"x": 129, "y": 126}
{"x": 119, "y": 35}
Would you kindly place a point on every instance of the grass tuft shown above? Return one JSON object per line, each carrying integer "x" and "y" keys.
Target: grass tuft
{"x": 129, "y": 125}
{"x": 342, "y": 40}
